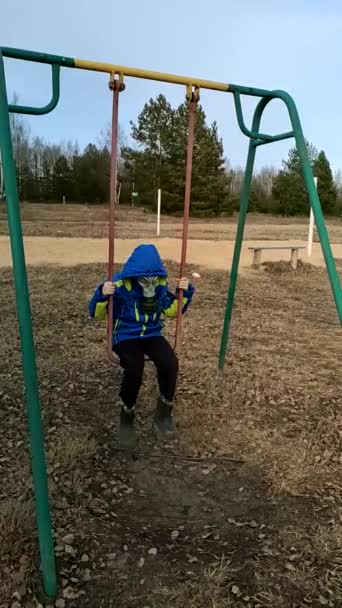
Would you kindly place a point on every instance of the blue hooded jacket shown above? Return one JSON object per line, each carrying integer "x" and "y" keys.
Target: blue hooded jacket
{"x": 130, "y": 322}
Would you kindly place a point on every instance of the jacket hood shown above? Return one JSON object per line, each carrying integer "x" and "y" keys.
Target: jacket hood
{"x": 145, "y": 261}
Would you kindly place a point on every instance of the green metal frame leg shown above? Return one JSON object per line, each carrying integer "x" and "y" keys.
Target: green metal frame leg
{"x": 27, "y": 348}
{"x": 244, "y": 200}
{"x": 257, "y": 139}
{"x": 315, "y": 203}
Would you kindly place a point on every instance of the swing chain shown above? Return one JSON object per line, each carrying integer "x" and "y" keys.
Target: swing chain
{"x": 116, "y": 82}
{"x": 192, "y": 93}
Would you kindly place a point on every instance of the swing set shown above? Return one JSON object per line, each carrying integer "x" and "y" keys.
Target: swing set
{"x": 117, "y": 74}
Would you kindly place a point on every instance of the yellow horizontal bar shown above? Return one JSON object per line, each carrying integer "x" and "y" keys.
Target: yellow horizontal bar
{"x": 97, "y": 66}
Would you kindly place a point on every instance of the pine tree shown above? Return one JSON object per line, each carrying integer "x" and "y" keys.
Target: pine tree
{"x": 155, "y": 127}
{"x": 150, "y": 162}
{"x": 161, "y": 133}
{"x": 289, "y": 192}
{"x": 327, "y": 190}
{"x": 90, "y": 174}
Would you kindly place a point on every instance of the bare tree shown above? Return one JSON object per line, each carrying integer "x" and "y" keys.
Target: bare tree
{"x": 237, "y": 176}
{"x": 69, "y": 149}
{"x": 20, "y": 138}
{"x": 105, "y": 138}
{"x": 105, "y": 141}
{"x": 338, "y": 181}
{"x": 265, "y": 178}
{"x": 37, "y": 147}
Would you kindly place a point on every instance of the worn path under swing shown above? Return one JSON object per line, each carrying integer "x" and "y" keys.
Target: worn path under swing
{"x": 211, "y": 254}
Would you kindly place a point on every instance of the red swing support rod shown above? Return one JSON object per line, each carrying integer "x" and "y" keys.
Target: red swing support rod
{"x": 116, "y": 85}
{"x": 193, "y": 97}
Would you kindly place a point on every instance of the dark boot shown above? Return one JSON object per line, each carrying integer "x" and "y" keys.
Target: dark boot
{"x": 127, "y": 438}
{"x": 162, "y": 421}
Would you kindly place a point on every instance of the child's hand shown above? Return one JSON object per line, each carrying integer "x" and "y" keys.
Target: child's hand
{"x": 108, "y": 288}
{"x": 183, "y": 284}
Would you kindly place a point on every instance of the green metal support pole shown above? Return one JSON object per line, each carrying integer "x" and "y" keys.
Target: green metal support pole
{"x": 315, "y": 202}
{"x": 244, "y": 200}
{"x": 27, "y": 348}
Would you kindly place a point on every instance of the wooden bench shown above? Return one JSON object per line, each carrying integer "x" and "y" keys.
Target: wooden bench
{"x": 293, "y": 248}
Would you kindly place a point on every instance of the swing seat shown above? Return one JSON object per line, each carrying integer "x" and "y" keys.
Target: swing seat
{"x": 115, "y": 359}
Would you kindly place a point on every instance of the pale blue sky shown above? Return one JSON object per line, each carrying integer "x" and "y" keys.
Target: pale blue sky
{"x": 295, "y": 45}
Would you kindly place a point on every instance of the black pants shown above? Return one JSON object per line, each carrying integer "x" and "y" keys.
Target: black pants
{"x": 132, "y": 359}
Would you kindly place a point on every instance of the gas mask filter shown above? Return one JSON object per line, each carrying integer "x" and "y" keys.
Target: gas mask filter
{"x": 148, "y": 285}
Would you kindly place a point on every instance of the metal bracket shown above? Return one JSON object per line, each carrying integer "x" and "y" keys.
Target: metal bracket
{"x": 192, "y": 93}
{"x": 258, "y": 138}
{"x": 116, "y": 82}
{"x": 55, "y": 70}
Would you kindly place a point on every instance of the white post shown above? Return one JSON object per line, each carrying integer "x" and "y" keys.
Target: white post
{"x": 311, "y": 226}
{"x": 63, "y": 199}
{"x": 158, "y": 211}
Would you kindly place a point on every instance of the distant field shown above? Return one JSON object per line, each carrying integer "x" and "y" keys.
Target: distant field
{"x": 90, "y": 221}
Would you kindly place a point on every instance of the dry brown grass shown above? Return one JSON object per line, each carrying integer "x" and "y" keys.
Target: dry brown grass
{"x": 278, "y": 402}
{"x": 296, "y": 573}
{"x": 296, "y": 465}
{"x": 71, "y": 447}
{"x": 17, "y": 545}
{"x": 212, "y": 590}
{"x": 277, "y": 407}
{"x": 299, "y": 464}
{"x": 16, "y": 524}
{"x": 300, "y": 455}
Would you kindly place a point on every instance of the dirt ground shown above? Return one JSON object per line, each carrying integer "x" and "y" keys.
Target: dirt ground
{"x": 244, "y": 510}
{"x": 211, "y": 254}
{"x": 78, "y": 234}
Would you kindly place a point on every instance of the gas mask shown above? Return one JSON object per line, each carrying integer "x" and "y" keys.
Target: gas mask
{"x": 148, "y": 285}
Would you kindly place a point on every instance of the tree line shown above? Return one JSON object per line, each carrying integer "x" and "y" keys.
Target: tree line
{"x": 156, "y": 159}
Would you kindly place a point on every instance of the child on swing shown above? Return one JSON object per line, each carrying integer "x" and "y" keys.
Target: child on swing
{"x": 140, "y": 300}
